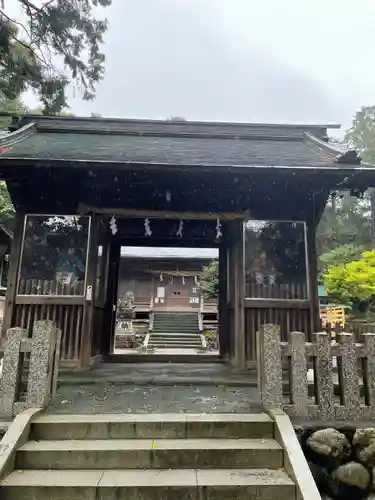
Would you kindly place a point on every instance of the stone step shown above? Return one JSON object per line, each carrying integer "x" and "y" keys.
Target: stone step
{"x": 249, "y": 484}
{"x": 182, "y": 321}
{"x": 176, "y": 329}
{"x": 191, "y": 333}
{"x": 150, "y": 454}
{"x": 177, "y": 319}
{"x": 175, "y": 322}
{"x": 175, "y": 343}
{"x": 177, "y": 314}
{"x": 154, "y": 426}
{"x": 184, "y": 347}
{"x": 173, "y": 340}
{"x": 176, "y": 334}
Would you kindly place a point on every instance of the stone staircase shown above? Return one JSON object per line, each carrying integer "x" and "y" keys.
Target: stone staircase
{"x": 149, "y": 456}
{"x": 175, "y": 330}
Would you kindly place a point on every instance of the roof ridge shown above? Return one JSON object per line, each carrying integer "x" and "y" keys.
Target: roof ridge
{"x": 103, "y": 126}
{"x": 180, "y": 122}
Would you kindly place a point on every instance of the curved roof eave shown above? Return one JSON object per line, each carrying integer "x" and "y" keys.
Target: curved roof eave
{"x": 331, "y": 151}
{"x": 19, "y": 135}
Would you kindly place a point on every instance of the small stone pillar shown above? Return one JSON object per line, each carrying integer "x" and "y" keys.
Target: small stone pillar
{"x": 269, "y": 367}
{"x": 39, "y": 387}
{"x": 9, "y": 380}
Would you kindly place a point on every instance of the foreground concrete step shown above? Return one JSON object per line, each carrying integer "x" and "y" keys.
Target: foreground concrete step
{"x": 154, "y": 426}
{"x": 241, "y": 484}
{"x": 150, "y": 454}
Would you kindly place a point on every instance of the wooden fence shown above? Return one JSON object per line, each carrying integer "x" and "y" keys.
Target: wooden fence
{"x": 30, "y": 363}
{"x": 324, "y": 392}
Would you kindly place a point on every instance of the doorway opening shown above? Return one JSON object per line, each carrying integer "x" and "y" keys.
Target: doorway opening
{"x": 161, "y": 307}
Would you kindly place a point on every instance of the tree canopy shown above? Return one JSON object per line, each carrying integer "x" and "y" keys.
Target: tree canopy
{"x": 346, "y": 219}
{"x": 209, "y": 280}
{"x": 361, "y": 134}
{"x": 52, "y": 44}
{"x": 353, "y": 283}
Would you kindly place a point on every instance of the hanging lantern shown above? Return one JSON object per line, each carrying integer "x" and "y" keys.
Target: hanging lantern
{"x": 161, "y": 277}
{"x": 183, "y": 280}
{"x": 113, "y": 225}
{"x": 196, "y": 280}
{"x": 147, "y": 225}
{"x": 219, "y": 233}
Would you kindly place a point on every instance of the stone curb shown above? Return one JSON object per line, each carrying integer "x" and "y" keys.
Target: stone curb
{"x": 295, "y": 463}
{"x": 16, "y": 435}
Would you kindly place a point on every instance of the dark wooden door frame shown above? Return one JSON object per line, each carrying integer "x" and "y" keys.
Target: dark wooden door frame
{"x": 109, "y": 322}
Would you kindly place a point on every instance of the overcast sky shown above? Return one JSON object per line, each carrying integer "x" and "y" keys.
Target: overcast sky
{"x": 237, "y": 60}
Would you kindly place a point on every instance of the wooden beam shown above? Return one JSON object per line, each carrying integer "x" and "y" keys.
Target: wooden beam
{"x": 224, "y": 330}
{"x": 256, "y": 303}
{"x": 14, "y": 265}
{"x": 88, "y": 313}
{"x": 162, "y": 214}
{"x": 239, "y": 296}
{"x": 312, "y": 271}
{"x": 50, "y": 299}
{"x": 111, "y": 295}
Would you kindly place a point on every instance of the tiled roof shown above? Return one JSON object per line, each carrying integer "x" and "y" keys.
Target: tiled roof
{"x": 172, "y": 143}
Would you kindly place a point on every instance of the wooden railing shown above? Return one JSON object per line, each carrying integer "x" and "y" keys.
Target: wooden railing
{"x": 276, "y": 291}
{"x": 350, "y": 397}
{"x": 62, "y": 303}
{"x": 289, "y": 316}
{"x": 50, "y": 287}
{"x": 67, "y": 317}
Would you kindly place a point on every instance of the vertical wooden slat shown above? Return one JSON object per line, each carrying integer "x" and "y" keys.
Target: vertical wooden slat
{"x": 14, "y": 265}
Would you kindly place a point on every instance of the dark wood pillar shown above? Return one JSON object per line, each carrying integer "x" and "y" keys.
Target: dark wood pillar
{"x": 312, "y": 267}
{"x": 111, "y": 295}
{"x": 224, "y": 329}
{"x": 88, "y": 311}
{"x": 14, "y": 266}
{"x": 239, "y": 296}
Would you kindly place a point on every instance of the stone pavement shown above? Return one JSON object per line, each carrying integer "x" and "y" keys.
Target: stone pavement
{"x": 218, "y": 373}
{"x": 157, "y": 388}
